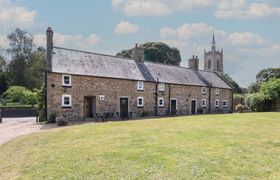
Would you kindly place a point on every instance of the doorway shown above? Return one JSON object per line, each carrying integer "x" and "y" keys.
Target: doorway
{"x": 123, "y": 107}
{"x": 89, "y": 106}
{"x": 173, "y": 106}
{"x": 193, "y": 107}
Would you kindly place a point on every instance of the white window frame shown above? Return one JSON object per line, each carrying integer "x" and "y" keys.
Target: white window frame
{"x": 160, "y": 105}
{"x": 70, "y": 100}
{"x": 217, "y": 105}
{"x": 203, "y": 103}
{"x": 226, "y": 105}
{"x": 140, "y": 105}
{"x": 217, "y": 91}
{"x": 70, "y": 80}
{"x": 139, "y": 87}
{"x": 161, "y": 87}
{"x": 204, "y": 90}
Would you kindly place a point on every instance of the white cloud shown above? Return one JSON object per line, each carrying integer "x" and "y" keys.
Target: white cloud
{"x": 76, "y": 41}
{"x": 157, "y": 7}
{"x": 125, "y": 27}
{"x": 241, "y": 9}
{"x": 247, "y": 38}
{"x": 13, "y": 15}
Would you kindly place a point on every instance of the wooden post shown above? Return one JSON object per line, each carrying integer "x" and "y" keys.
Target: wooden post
{"x": 0, "y": 115}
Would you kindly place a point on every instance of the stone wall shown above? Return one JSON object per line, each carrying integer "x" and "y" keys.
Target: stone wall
{"x": 114, "y": 89}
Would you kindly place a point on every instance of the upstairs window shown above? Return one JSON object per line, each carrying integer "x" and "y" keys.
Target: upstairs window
{"x": 66, "y": 100}
{"x": 140, "y": 102}
{"x": 225, "y": 105}
{"x": 217, "y": 103}
{"x": 161, "y": 86}
{"x": 217, "y": 91}
{"x": 204, "y": 90}
{"x": 160, "y": 102}
{"x": 66, "y": 80}
{"x": 203, "y": 103}
{"x": 140, "y": 85}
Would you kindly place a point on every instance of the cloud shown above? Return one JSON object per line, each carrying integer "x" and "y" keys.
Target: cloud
{"x": 239, "y": 9}
{"x": 13, "y": 15}
{"x": 247, "y": 38}
{"x": 157, "y": 7}
{"x": 125, "y": 27}
{"x": 4, "y": 43}
{"x": 73, "y": 41}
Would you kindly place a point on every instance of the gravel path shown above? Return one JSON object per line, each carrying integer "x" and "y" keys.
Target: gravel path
{"x": 11, "y": 128}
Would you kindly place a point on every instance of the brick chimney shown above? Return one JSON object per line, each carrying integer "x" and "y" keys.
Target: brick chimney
{"x": 137, "y": 53}
{"x": 49, "y": 34}
{"x": 194, "y": 63}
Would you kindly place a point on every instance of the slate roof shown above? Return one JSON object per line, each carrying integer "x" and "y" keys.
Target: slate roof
{"x": 76, "y": 62}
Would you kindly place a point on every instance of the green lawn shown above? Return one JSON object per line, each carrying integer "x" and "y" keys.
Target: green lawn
{"x": 232, "y": 146}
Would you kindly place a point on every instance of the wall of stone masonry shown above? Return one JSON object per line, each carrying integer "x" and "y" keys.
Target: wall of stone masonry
{"x": 114, "y": 89}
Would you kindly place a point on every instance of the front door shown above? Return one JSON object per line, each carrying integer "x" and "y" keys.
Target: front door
{"x": 124, "y": 107}
{"x": 89, "y": 106}
{"x": 193, "y": 107}
{"x": 173, "y": 106}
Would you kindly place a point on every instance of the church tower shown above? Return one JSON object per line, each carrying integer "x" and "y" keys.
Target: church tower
{"x": 213, "y": 59}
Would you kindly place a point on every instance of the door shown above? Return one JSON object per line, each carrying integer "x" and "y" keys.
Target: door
{"x": 193, "y": 107}
{"x": 89, "y": 107}
{"x": 173, "y": 106}
{"x": 124, "y": 107}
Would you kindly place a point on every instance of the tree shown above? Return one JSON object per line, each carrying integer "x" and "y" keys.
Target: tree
{"x": 232, "y": 83}
{"x": 35, "y": 69}
{"x": 3, "y": 76}
{"x": 253, "y": 87}
{"x": 21, "y": 46}
{"x": 270, "y": 90}
{"x": 157, "y": 52}
{"x": 267, "y": 74}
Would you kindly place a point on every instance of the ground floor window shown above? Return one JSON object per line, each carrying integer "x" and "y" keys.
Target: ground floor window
{"x": 66, "y": 100}
{"x": 225, "y": 104}
{"x": 217, "y": 103}
{"x": 203, "y": 103}
{"x": 160, "y": 102}
{"x": 140, "y": 102}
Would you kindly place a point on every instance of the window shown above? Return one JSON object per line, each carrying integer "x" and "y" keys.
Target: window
{"x": 209, "y": 64}
{"x": 140, "y": 102}
{"x": 161, "y": 86}
{"x": 204, "y": 90}
{"x": 66, "y": 80}
{"x": 217, "y": 103}
{"x": 140, "y": 85}
{"x": 66, "y": 100}
{"x": 203, "y": 103}
{"x": 160, "y": 102}
{"x": 225, "y": 104}
{"x": 217, "y": 91}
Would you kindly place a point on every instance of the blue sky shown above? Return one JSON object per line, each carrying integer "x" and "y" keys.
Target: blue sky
{"x": 247, "y": 30}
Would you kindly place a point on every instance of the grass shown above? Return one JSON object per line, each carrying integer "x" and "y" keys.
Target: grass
{"x": 14, "y": 105}
{"x": 232, "y": 146}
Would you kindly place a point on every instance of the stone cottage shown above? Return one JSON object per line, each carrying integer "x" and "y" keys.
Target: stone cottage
{"x": 86, "y": 85}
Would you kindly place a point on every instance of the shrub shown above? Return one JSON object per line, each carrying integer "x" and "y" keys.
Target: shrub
{"x": 15, "y": 94}
{"x": 52, "y": 118}
{"x": 239, "y": 108}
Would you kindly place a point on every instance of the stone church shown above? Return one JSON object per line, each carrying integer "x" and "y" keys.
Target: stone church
{"x": 85, "y": 85}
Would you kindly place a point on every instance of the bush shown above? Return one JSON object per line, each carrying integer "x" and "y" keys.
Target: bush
{"x": 239, "y": 108}
{"x": 19, "y": 94}
{"x": 52, "y": 118}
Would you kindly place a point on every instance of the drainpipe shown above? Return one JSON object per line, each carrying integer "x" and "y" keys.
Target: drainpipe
{"x": 209, "y": 100}
{"x": 169, "y": 99}
{"x": 156, "y": 99}
{"x": 232, "y": 101}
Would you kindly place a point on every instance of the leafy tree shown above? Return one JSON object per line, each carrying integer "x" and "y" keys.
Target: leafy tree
{"x": 19, "y": 94}
{"x": 254, "y": 87}
{"x": 270, "y": 90}
{"x": 3, "y": 76}
{"x": 35, "y": 69}
{"x": 267, "y": 74}
{"x": 157, "y": 52}
{"x": 21, "y": 46}
{"x": 232, "y": 83}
